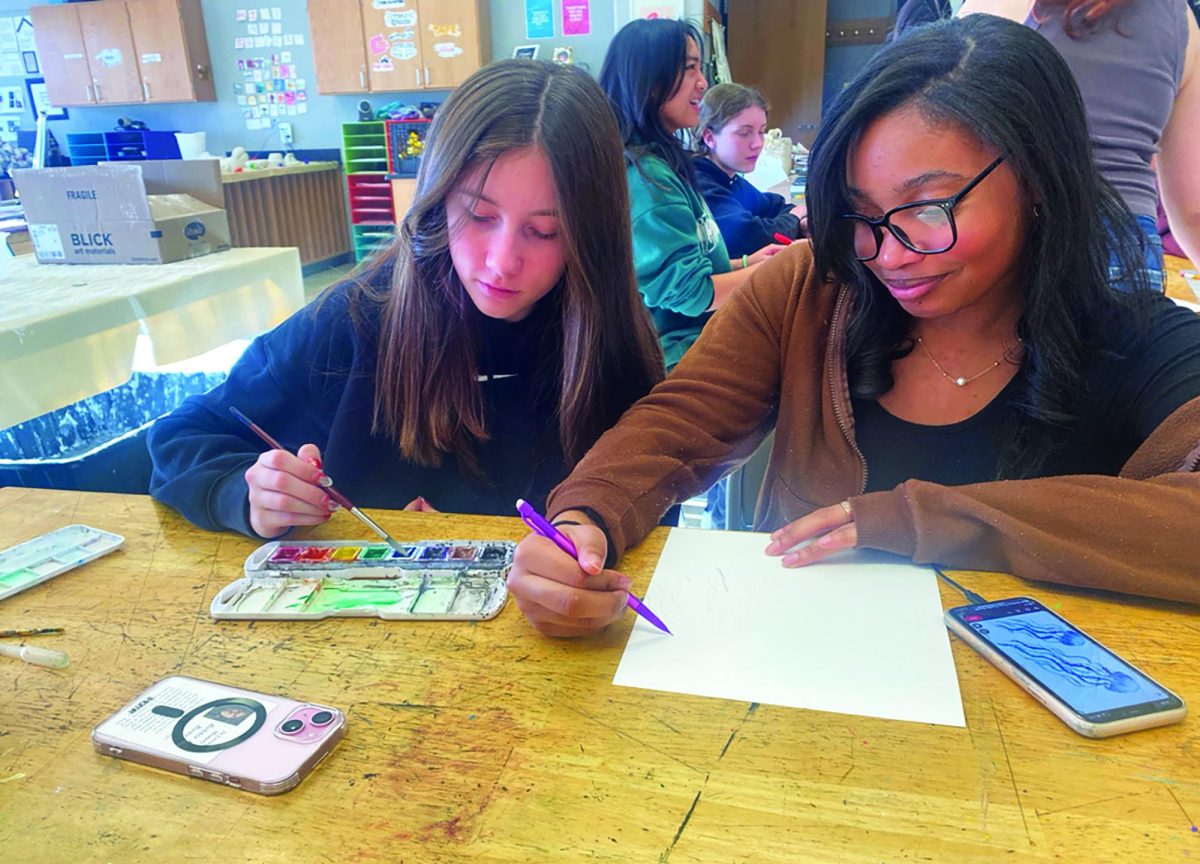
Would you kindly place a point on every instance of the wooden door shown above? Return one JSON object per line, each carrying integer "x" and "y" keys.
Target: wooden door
{"x": 60, "y": 49}
{"x": 450, "y": 41}
{"x": 778, "y": 47}
{"x": 392, "y": 40}
{"x": 110, "y": 52}
{"x": 336, "y": 36}
{"x": 161, "y": 50}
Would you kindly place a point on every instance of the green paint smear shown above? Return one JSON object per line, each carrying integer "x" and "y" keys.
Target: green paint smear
{"x": 19, "y": 577}
{"x": 362, "y": 596}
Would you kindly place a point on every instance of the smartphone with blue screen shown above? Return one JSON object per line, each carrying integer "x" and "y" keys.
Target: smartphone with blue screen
{"x": 1082, "y": 682}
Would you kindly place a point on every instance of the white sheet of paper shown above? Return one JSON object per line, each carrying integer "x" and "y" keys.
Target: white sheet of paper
{"x": 768, "y": 172}
{"x": 860, "y": 635}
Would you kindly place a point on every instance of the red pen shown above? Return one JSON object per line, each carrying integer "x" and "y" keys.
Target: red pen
{"x": 783, "y": 238}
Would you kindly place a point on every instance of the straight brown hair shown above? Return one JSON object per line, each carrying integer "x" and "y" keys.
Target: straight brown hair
{"x": 427, "y": 397}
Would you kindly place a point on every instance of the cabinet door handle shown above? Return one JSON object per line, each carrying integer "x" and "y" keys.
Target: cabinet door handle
{"x": 87, "y": 88}
{"x": 96, "y": 87}
{"x": 146, "y": 89}
{"x": 417, "y": 72}
{"x": 362, "y": 76}
{"x": 426, "y": 74}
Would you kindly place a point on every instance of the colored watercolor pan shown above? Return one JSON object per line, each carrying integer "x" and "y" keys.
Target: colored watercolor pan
{"x": 34, "y": 561}
{"x": 287, "y": 553}
{"x": 315, "y": 554}
{"x": 493, "y": 553}
{"x": 463, "y": 553}
{"x": 433, "y": 553}
{"x": 375, "y": 553}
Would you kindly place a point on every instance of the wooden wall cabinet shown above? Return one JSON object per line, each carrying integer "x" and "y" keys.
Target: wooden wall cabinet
{"x": 113, "y": 52}
{"x": 422, "y": 45}
{"x": 778, "y": 47}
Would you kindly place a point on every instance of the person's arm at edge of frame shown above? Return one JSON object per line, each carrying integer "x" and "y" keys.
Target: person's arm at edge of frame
{"x": 1178, "y": 177}
{"x": 1130, "y": 534}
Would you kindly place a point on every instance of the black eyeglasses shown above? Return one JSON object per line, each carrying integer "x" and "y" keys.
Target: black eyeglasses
{"x": 922, "y": 226}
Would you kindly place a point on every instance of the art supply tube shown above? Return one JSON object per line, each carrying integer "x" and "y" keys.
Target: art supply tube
{"x": 36, "y": 656}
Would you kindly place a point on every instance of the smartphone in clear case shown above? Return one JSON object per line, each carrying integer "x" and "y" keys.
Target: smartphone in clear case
{"x": 1081, "y": 681}
{"x": 252, "y": 741}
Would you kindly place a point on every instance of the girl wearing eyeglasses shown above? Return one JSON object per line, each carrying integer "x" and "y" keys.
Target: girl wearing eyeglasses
{"x": 948, "y": 373}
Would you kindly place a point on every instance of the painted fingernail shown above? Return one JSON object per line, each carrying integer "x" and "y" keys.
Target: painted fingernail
{"x": 315, "y": 462}
{"x": 593, "y": 562}
{"x": 331, "y": 505}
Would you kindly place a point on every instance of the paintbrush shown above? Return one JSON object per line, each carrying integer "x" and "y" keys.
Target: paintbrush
{"x": 36, "y": 631}
{"x": 329, "y": 490}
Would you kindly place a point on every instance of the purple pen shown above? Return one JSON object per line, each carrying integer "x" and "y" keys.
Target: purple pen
{"x": 539, "y": 525}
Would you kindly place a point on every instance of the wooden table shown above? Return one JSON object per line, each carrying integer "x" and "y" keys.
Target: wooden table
{"x": 69, "y": 331}
{"x": 490, "y": 742}
{"x": 1177, "y": 286}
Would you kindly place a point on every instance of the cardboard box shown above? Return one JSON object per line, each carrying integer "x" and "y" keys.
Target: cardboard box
{"x": 147, "y": 212}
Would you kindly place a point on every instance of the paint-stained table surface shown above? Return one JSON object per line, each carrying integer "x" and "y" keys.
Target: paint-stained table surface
{"x": 490, "y": 742}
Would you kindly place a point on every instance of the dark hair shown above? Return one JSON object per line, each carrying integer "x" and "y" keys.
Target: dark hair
{"x": 721, "y": 103}
{"x": 427, "y": 397}
{"x": 642, "y": 70}
{"x": 914, "y": 13}
{"x": 1006, "y": 86}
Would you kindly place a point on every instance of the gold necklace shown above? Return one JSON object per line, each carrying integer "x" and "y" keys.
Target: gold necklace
{"x": 960, "y": 380}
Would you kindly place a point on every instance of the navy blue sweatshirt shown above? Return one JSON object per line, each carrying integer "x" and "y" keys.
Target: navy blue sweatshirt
{"x": 748, "y": 219}
{"x": 312, "y": 380}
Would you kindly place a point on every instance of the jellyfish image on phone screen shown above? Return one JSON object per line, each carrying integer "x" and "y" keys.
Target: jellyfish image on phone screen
{"x": 1039, "y": 646}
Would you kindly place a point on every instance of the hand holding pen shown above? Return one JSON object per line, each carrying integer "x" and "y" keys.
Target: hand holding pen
{"x": 561, "y": 586}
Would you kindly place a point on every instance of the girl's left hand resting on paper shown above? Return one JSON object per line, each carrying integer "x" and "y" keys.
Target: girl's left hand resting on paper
{"x": 831, "y": 529}
{"x": 285, "y": 491}
{"x": 561, "y": 596}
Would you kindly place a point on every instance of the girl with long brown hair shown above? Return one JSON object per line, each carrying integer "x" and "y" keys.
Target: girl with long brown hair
{"x": 473, "y": 362}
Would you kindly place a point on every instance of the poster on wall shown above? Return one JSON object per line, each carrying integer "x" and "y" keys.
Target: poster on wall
{"x": 657, "y": 9}
{"x": 539, "y": 19}
{"x": 39, "y": 100}
{"x": 576, "y": 17}
{"x": 11, "y": 41}
{"x": 12, "y": 99}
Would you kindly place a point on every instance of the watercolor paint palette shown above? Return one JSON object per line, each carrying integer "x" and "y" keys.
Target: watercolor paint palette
{"x": 442, "y": 580}
{"x": 34, "y": 561}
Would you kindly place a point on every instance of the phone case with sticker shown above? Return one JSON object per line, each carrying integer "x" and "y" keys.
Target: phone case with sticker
{"x": 248, "y": 740}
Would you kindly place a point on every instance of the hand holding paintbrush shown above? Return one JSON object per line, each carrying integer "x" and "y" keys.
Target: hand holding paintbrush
{"x": 287, "y": 490}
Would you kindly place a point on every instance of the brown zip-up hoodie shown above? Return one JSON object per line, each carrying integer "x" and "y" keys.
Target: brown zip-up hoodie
{"x": 774, "y": 355}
